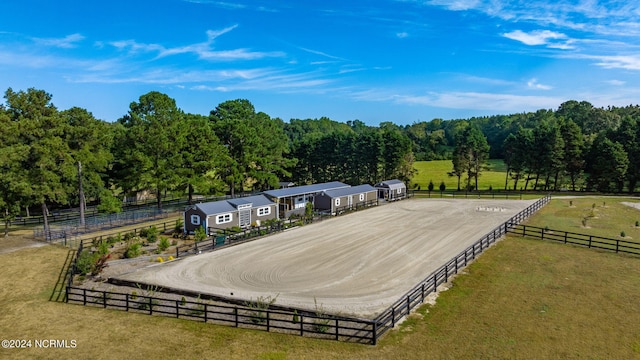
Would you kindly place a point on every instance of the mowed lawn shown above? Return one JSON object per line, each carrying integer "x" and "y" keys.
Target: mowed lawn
{"x": 437, "y": 171}
{"x": 523, "y": 298}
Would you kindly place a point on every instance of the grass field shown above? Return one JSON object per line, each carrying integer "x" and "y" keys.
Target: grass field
{"x": 437, "y": 170}
{"x": 523, "y": 298}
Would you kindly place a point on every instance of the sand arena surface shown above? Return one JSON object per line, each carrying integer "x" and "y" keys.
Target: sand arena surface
{"x": 357, "y": 264}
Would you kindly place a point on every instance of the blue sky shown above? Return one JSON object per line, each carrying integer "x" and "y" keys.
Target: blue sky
{"x": 381, "y": 60}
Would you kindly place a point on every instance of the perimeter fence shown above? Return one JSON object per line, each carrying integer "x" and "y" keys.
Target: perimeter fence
{"x": 255, "y": 315}
{"x": 590, "y": 241}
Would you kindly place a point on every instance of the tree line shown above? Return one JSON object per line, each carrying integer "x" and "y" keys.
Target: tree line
{"x": 576, "y": 147}
{"x": 59, "y": 158}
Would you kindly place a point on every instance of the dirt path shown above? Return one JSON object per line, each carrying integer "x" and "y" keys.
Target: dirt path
{"x": 358, "y": 264}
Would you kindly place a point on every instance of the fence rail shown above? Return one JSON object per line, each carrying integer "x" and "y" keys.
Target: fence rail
{"x": 416, "y": 296}
{"x": 290, "y": 320}
{"x": 301, "y": 323}
{"x": 590, "y": 241}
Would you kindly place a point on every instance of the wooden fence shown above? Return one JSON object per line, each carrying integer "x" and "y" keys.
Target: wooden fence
{"x": 291, "y": 320}
{"x": 416, "y": 296}
{"x": 317, "y": 325}
{"x": 590, "y": 241}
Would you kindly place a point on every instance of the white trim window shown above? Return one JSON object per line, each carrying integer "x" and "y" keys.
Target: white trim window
{"x": 399, "y": 191}
{"x": 361, "y": 197}
{"x": 337, "y": 201}
{"x": 264, "y": 211}
{"x": 195, "y": 219}
{"x": 224, "y": 218}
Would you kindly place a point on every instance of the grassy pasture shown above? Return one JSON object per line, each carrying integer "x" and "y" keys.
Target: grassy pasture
{"x": 437, "y": 170}
{"x": 523, "y": 298}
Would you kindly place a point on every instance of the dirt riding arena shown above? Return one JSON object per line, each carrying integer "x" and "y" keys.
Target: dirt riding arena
{"x": 357, "y": 264}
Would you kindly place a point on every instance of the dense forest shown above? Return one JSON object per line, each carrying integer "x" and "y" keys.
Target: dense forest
{"x": 52, "y": 157}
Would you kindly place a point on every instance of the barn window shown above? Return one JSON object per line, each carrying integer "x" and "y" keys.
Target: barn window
{"x": 264, "y": 211}
{"x": 224, "y": 218}
{"x": 195, "y": 219}
{"x": 399, "y": 191}
{"x": 337, "y": 202}
{"x": 361, "y": 197}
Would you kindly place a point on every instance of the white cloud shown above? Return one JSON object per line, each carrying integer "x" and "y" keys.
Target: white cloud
{"x": 203, "y": 50}
{"x": 402, "y": 35}
{"x": 616, "y": 82}
{"x": 540, "y": 37}
{"x": 533, "y": 84}
{"x": 627, "y": 62}
{"x": 67, "y": 42}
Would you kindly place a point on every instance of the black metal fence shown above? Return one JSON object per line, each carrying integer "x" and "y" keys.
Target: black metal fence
{"x": 590, "y": 241}
{"x": 469, "y": 194}
{"x": 291, "y": 320}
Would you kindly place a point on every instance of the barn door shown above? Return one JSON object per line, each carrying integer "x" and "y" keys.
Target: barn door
{"x": 244, "y": 217}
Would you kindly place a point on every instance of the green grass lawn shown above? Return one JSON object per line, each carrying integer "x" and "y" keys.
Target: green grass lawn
{"x": 606, "y": 216}
{"x": 437, "y": 170}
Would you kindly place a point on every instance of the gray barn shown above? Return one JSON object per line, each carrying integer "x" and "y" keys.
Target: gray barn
{"x": 294, "y": 199}
{"x": 335, "y": 201}
{"x": 241, "y": 212}
{"x": 392, "y": 190}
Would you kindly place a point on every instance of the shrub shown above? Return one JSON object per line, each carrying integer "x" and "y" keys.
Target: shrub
{"x": 177, "y": 228}
{"x": 321, "y": 324}
{"x": 199, "y": 234}
{"x": 85, "y": 262}
{"x": 183, "y": 301}
{"x": 128, "y": 236}
{"x": 160, "y": 259}
{"x": 152, "y": 234}
{"x": 143, "y": 232}
{"x": 623, "y": 234}
{"x": 170, "y": 258}
{"x": 163, "y": 244}
{"x": 637, "y": 223}
{"x": 132, "y": 250}
{"x": 259, "y": 307}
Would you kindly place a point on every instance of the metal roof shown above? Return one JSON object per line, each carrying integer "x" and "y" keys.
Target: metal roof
{"x": 350, "y": 191}
{"x": 391, "y": 184}
{"x": 305, "y": 189}
{"x": 230, "y": 205}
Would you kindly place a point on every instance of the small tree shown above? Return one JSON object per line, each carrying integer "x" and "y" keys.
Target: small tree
{"x": 430, "y": 187}
{"x": 443, "y": 187}
{"x": 199, "y": 234}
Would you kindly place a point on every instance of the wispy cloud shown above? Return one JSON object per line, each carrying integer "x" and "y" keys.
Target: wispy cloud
{"x": 316, "y": 52}
{"x": 67, "y": 42}
{"x": 402, "y": 35}
{"x": 533, "y": 84}
{"x": 495, "y": 102}
{"x": 616, "y": 82}
{"x": 203, "y": 50}
{"x": 541, "y": 37}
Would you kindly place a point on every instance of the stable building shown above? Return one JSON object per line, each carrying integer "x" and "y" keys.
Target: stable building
{"x": 391, "y": 190}
{"x": 242, "y": 212}
{"x": 293, "y": 200}
{"x": 339, "y": 200}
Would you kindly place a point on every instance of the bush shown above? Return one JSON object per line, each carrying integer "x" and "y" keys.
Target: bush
{"x": 199, "y": 234}
{"x": 143, "y": 232}
{"x": 623, "y": 234}
{"x": 133, "y": 250}
{"x": 178, "y": 226}
{"x": 85, "y": 262}
{"x": 152, "y": 234}
{"x": 163, "y": 244}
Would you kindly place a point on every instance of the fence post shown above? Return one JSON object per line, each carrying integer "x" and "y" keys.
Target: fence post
{"x": 301, "y": 325}
{"x": 565, "y": 237}
{"x": 617, "y": 244}
{"x": 337, "y": 331}
{"x": 235, "y": 312}
{"x": 590, "y": 237}
{"x": 84, "y": 296}
{"x": 446, "y": 272}
{"x": 268, "y": 323}
{"x": 408, "y": 304}
{"x": 393, "y": 316}
{"x": 524, "y": 227}
{"x": 542, "y": 234}
{"x": 126, "y": 301}
{"x": 177, "y": 309}
{"x": 374, "y": 334}
{"x": 104, "y": 299}
{"x": 150, "y": 305}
